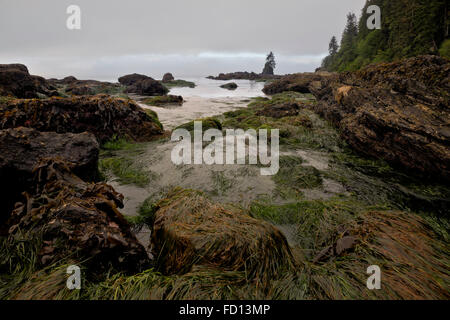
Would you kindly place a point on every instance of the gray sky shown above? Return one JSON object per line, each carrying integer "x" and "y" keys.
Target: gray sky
{"x": 186, "y": 37}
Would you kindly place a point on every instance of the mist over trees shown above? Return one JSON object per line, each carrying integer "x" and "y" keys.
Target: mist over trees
{"x": 408, "y": 28}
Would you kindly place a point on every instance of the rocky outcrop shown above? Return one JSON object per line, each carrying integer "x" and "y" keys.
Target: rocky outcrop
{"x": 72, "y": 86}
{"x": 243, "y": 76}
{"x": 15, "y": 80}
{"x": 131, "y": 79}
{"x": 229, "y": 86}
{"x": 189, "y": 230}
{"x": 101, "y": 115}
{"x": 76, "y": 219}
{"x": 69, "y": 80}
{"x": 143, "y": 85}
{"x": 395, "y": 111}
{"x": 268, "y": 69}
{"x": 299, "y": 82}
{"x": 21, "y": 149}
{"x": 168, "y": 77}
{"x": 148, "y": 87}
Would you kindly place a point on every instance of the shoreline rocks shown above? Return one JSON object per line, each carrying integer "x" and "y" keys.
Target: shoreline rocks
{"x": 21, "y": 149}
{"x": 16, "y": 81}
{"x": 395, "y": 111}
{"x": 299, "y": 82}
{"x": 77, "y": 219}
{"x": 168, "y": 77}
{"x": 143, "y": 85}
{"x": 243, "y": 76}
{"x": 230, "y": 86}
{"x": 101, "y": 115}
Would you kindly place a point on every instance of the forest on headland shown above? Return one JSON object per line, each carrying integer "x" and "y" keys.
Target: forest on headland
{"x": 408, "y": 28}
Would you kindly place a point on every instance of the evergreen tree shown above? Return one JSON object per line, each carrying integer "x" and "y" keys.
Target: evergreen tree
{"x": 333, "y": 46}
{"x": 270, "y": 64}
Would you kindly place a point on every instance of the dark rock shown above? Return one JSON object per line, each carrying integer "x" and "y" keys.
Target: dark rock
{"x": 101, "y": 115}
{"x": 229, "y": 86}
{"x": 76, "y": 219}
{"x": 21, "y": 149}
{"x": 16, "y": 81}
{"x": 395, "y": 111}
{"x": 148, "y": 87}
{"x": 168, "y": 77}
{"x": 268, "y": 69}
{"x": 243, "y": 76}
{"x": 143, "y": 85}
{"x": 132, "y": 79}
{"x": 278, "y": 111}
{"x": 69, "y": 80}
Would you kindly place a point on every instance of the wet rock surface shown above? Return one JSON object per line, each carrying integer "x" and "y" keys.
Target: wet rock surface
{"x": 398, "y": 112}
{"x": 101, "y": 115}
{"x": 76, "y": 219}
{"x": 21, "y": 149}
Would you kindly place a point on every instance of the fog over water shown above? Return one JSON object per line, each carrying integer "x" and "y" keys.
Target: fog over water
{"x": 190, "y": 38}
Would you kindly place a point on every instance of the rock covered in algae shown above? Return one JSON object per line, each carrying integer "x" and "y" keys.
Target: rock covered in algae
{"x": 190, "y": 230}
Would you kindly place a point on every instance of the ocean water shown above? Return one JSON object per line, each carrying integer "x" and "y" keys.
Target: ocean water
{"x": 207, "y": 99}
{"x": 207, "y": 88}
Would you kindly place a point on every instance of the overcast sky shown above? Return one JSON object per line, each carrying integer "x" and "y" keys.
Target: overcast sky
{"x": 186, "y": 37}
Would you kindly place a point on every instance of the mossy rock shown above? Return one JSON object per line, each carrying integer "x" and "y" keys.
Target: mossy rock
{"x": 163, "y": 100}
{"x": 207, "y": 123}
{"x": 191, "y": 230}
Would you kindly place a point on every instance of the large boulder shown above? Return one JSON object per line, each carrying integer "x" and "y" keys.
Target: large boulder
{"x": 21, "y": 149}
{"x": 15, "y": 80}
{"x": 395, "y": 111}
{"x": 101, "y": 115}
{"x": 131, "y": 79}
{"x": 143, "y": 85}
{"x": 168, "y": 77}
{"x": 148, "y": 87}
{"x": 190, "y": 230}
{"x": 76, "y": 220}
